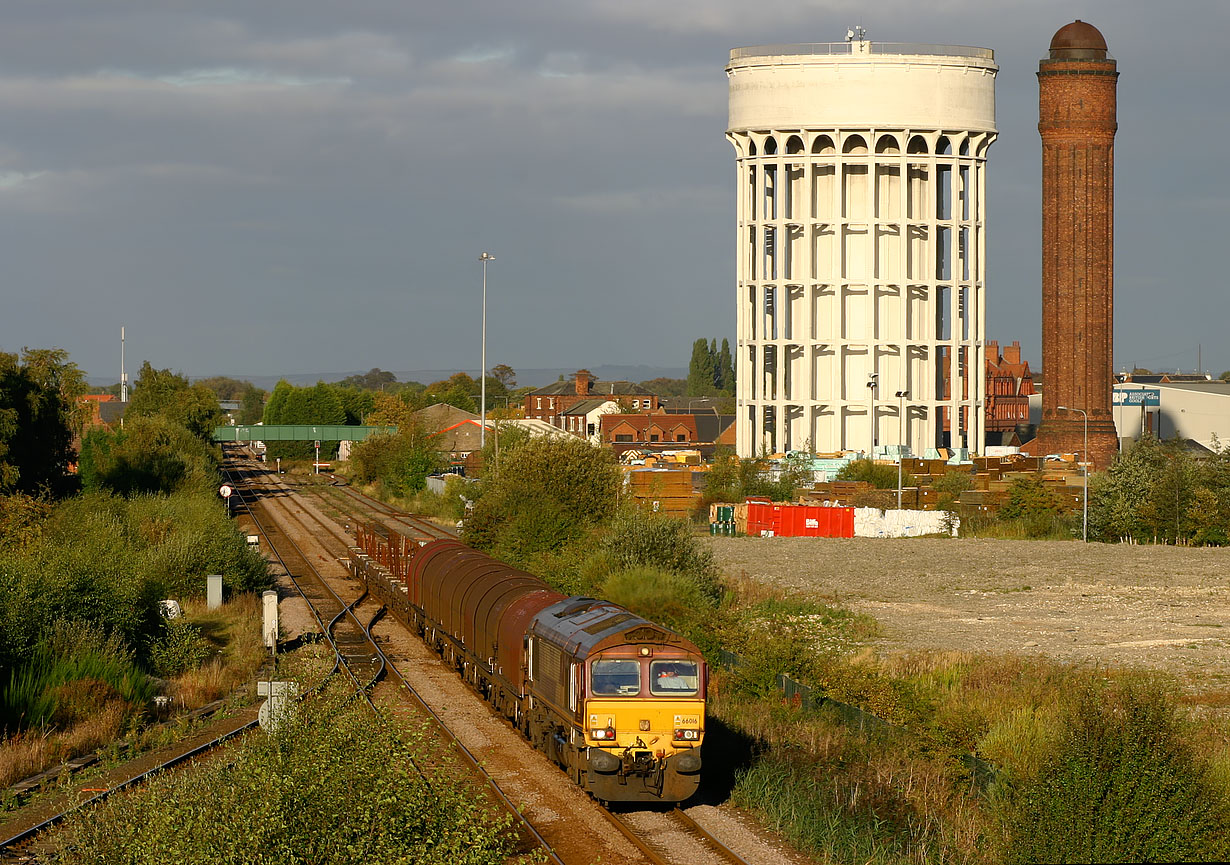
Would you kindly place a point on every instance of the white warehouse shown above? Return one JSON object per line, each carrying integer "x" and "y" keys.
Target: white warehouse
{"x": 860, "y": 266}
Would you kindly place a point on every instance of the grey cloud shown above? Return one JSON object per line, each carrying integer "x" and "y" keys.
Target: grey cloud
{"x": 347, "y": 162}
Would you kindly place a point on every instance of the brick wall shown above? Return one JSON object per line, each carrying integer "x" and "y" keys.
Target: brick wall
{"x": 1077, "y": 121}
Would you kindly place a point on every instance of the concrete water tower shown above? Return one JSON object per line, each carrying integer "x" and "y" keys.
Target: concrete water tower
{"x": 861, "y": 179}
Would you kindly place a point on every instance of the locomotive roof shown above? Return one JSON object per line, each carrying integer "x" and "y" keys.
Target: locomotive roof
{"x": 582, "y": 625}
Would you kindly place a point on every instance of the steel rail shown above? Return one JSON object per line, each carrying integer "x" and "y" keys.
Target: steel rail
{"x": 340, "y": 658}
{"x": 708, "y": 837}
{"x": 33, "y": 831}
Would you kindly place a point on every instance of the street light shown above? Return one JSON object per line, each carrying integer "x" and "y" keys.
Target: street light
{"x": 1085, "y": 467}
{"x": 482, "y": 374}
{"x": 873, "y": 382}
{"x": 901, "y": 395}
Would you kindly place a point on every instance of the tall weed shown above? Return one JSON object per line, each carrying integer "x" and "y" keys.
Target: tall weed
{"x": 1124, "y": 786}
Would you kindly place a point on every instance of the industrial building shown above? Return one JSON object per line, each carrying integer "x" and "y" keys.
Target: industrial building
{"x": 1196, "y": 411}
{"x": 861, "y": 178}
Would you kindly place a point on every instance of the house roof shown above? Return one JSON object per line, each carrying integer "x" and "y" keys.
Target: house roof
{"x": 642, "y": 422}
{"x": 442, "y": 416}
{"x": 709, "y": 427}
{"x": 585, "y": 406}
{"x": 111, "y": 411}
{"x": 599, "y": 388}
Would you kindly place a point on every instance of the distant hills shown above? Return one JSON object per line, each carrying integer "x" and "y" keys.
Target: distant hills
{"x": 534, "y": 377}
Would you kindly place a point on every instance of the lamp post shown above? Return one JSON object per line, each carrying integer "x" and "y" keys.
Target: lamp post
{"x": 901, "y": 395}
{"x": 482, "y": 374}
{"x": 873, "y": 382}
{"x": 1085, "y": 467}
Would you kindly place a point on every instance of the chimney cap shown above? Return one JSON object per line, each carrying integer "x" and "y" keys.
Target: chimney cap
{"x": 1078, "y": 41}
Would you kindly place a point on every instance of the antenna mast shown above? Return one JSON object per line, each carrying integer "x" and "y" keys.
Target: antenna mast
{"x": 123, "y": 369}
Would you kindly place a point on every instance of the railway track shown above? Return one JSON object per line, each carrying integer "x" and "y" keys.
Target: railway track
{"x": 357, "y": 651}
{"x": 704, "y": 847}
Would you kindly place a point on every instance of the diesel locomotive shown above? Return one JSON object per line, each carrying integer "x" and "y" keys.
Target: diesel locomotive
{"x": 616, "y": 700}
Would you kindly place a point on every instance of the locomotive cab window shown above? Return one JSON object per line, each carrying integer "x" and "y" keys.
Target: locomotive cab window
{"x": 674, "y": 678}
{"x": 614, "y": 677}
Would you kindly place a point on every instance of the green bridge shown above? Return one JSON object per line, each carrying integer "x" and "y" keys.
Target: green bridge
{"x": 299, "y": 433}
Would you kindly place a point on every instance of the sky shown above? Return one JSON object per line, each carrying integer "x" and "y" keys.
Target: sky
{"x": 305, "y": 186}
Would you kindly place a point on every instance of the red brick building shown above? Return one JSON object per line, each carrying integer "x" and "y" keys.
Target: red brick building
{"x": 648, "y": 429}
{"x": 548, "y": 402}
{"x": 1009, "y": 386}
{"x": 1077, "y": 121}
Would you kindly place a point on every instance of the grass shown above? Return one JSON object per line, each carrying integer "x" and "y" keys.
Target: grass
{"x": 981, "y": 760}
{"x": 84, "y": 714}
{"x": 331, "y": 786}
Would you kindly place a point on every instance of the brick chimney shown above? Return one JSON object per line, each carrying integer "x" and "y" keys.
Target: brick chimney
{"x": 993, "y": 351}
{"x": 585, "y": 382}
{"x": 1012, "y": 353}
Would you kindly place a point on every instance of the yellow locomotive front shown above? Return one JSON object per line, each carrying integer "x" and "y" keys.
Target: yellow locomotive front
{"x": 617, "y": 700}
{"x": 644, "y": 722}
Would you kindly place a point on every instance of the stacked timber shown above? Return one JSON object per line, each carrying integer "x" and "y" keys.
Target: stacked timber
{"x": 663, "y": 490}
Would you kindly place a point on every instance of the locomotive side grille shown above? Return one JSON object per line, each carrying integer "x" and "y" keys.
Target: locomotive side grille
{"x": 549, "y": 674}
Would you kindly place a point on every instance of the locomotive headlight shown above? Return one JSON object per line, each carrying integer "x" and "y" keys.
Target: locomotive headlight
{"x": 603, "y": 735}
{"x": 687, "y": 735}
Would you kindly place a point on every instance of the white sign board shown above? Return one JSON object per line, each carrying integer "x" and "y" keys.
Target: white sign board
{"x": 225, "y": 491}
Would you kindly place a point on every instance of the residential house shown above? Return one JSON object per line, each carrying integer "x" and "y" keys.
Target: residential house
{"x": 548, "y": 403}
{"x": 582, "y": 419}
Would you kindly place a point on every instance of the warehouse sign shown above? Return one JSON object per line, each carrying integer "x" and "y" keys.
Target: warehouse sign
{"x": 1143, "y": 396}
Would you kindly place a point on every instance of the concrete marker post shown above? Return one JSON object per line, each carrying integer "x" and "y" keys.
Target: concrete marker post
{"x": 213, "y": 591}
{"x": 269, "y": 604}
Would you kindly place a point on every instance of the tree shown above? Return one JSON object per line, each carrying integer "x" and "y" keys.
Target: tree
{"x": 374, "y": 379}
{"x": 277, "y": 402}
{"x": 154, "y": 390}
{"x": 149, "y": 455}
{"x": 251, "y": 405}
{"x": 38, "y": 415}
{"x": 1031, "y": 498}
{"x": 1225, "y": 376}
{"x": 196, "y": 409}
{"x": 356, "y": 403}
{"x": 726, "y": 369}
{"x": 505, "y": 375}
{"x": 701, "y": 369}
{"x": 226, "y": 387}
{"x": 401, "y": 461}
{"x": 319, "y": 404}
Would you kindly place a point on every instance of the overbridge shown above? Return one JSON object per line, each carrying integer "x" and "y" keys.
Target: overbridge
{"x": 299, "y": 433}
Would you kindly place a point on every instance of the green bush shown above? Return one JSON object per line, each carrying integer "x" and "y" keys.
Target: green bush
{"x": 106, "y": 561}
{"x": 672, "y": 599}
{"x": 544, "y": 495}
{"x": 179, "y": 649}
{"x": 332, "y": 786}
{"x": 150, "y": 455}
{"x": 882, "y": 477}
{"x": 400, "y": 462}
{"x": 637, "y": 538}
{"x": 1124, "y": 786}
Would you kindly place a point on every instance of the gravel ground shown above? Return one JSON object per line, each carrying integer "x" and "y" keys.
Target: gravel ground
{"x": 1151, "y": 606}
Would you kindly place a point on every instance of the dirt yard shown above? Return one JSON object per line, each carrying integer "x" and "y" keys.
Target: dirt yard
{"x": 1162, "y": 607}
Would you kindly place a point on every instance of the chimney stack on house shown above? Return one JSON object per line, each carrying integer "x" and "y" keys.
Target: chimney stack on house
{"x": 585, "y": 382}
